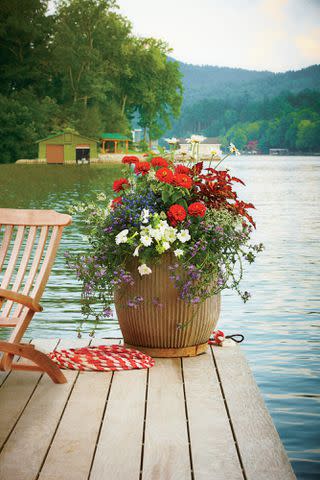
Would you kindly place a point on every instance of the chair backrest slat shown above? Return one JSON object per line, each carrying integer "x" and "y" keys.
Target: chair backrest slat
{"x": 29, "y": 240}
{"x": 14, "y": 257}
{"x": 23, "y": 266}
{"x": 11, "y": 216}
{"x": 47, "y": 263}
{"x": 5, "y": 244}
{"x": 34, "y": 266}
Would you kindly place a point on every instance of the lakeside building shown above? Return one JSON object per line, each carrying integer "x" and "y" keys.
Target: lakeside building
{"x": 278, "y": 151}
{"x": 114, "y": 143}
{"x": 137, "y": 135}
{"x": 67, "y": 147}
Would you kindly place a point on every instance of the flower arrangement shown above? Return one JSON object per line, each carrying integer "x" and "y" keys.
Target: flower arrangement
{"x": 190, "y": 212}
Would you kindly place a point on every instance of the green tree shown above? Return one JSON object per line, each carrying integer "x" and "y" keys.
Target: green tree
{"x": 23, "y": 120}
{"x": 308, "y": 136}
{"x": 160, "y": 86}
{"x": 25, "y": 33}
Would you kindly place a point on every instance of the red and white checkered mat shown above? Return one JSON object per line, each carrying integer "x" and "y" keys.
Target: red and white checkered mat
{"x": 103, "y": 358}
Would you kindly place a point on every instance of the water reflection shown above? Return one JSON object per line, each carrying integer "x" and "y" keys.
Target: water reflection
{"x": 280, "y": 323}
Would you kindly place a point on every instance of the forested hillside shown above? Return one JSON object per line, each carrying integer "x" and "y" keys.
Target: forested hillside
{"x": 254, "y": 110}
{"x": 202, "y": 82}
{"x": 78, "y": 67}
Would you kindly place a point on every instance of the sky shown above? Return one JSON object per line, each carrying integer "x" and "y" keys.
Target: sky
{"x": 276, "y": 35}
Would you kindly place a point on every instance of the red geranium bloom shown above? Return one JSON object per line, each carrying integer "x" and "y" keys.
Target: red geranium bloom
{"x": 142, "y": 167}
{"x": 116, "y": 201}
{"x": 164, "y": 175}
{"x": 182, "y": 169}
{"x": 159, "y": 162}
{"x": 176, "y": 214}
{"x": 130, "y": 159}
{"x": 182, "y": 180}
{"x": 197, "y": 209}
{"x": 118, "y": 185}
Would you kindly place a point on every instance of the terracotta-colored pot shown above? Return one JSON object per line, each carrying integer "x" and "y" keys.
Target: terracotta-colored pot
{"x": 172, "y": 329}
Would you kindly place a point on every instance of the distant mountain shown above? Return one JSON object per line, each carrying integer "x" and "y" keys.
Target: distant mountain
{"x": 203, "y": 82}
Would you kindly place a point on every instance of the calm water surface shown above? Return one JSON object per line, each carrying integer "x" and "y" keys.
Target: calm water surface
{"x": 280, "y": 323}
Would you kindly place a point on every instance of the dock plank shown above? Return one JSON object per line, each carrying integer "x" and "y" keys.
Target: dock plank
{"x": 118, "y": 453}
{"x": 166, "y": 449}
{"x": 14, "y": 395}
{"x": 213, "y": 449}
{"x": 70, "y": 454}
{"x": 99, "y": 425}
{"x": 262, "y": 453}
{"x": 3, "y": 376}
{"x": 31, "y": 436}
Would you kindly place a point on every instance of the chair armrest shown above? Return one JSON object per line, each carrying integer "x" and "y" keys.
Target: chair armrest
{"x": 20, "y": 298}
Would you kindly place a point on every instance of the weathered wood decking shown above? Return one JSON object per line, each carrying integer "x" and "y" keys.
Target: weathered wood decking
{"x": 193, "y": 418}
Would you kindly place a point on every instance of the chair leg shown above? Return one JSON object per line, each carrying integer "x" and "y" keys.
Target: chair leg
{"x": 41, "y": 360}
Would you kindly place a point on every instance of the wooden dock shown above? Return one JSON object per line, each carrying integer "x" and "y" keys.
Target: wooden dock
{"x": 196, "y": 418}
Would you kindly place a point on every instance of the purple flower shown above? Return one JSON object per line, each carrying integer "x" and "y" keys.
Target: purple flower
{"x": 195, "y": 300}
{"x": 107, "y": 312}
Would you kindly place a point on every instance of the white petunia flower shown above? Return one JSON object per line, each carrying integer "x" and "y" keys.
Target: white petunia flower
{"x": 146, "y": 240}
{"x": 136, "y": 252}
{"x": 122, "y": 237}
{"x": 184, "y": 236}
{"x": 170, "y": 234}
{"x": 144, "y": 216}
{"x": 166, "y": 245}
{"x": 144, "y": 270}
{"x": 178, "y": 253}
{"x": 101, "y": 197}
{"x": 156, "y": 233}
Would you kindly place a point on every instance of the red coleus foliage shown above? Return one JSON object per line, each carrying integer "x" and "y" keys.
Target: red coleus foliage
{"x": 182, "y": 180}
{"x": 142, "y": 167}
{"x": 197, "y": 209}
{"x": 215, "y": 189}
{"x": 130, "y": 159}
{"x": 159, "y": 162}
{"x": 119, "y": 185}
{"x": 176, "y": 214}
{"x": 164, "y": 175}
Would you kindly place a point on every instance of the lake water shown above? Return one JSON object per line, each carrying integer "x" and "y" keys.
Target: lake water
{"x": 280, "y": 322}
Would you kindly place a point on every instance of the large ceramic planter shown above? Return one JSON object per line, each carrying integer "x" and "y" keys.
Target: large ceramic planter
{"x": 153, "y": 328}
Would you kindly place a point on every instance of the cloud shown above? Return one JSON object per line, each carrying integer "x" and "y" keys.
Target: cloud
{"x": 276, "y": 35}
{"x": 274, "y": 9}
{"x": 309, "y": 45}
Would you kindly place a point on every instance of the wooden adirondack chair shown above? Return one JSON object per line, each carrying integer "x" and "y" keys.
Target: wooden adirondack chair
{"x": 30, "y": 240}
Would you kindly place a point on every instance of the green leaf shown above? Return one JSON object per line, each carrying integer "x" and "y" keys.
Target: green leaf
{"x": 176, "y": 197}
{"x": 183, "y": 203}
{"x": 165, "y": 196}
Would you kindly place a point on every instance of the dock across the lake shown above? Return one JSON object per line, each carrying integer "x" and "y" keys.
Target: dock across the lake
{"x": 197, "y": 418}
